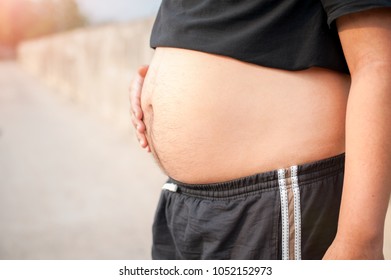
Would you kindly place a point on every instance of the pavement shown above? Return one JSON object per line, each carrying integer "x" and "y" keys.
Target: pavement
{"x": 72, "y": 186}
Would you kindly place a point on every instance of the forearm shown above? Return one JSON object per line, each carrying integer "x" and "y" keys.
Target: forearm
{"x": 367, "y": 181}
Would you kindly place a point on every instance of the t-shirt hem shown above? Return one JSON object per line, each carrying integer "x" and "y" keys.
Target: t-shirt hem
{"x": 255, "y": 61}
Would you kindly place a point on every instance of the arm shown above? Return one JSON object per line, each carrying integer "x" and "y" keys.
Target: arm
{"x": 135, "y": 107}
{"x": 366, "y": 40}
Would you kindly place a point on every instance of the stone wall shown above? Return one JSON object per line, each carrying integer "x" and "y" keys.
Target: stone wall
{"x": 93, "y": 66}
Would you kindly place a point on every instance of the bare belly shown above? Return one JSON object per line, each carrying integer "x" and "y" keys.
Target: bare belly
{"x": 211, "y": 118}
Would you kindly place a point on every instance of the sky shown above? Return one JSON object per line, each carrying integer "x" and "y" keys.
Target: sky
{"x": 99, "y": 11}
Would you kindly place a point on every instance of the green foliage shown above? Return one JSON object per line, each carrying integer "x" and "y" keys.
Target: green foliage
{"x": 26, "y": 19}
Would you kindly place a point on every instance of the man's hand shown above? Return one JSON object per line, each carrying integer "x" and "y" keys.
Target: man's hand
{"x": 135, "y": 107}
{"x": 347, "y": 250}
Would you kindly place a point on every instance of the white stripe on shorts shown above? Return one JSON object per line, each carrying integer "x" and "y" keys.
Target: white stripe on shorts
{"x": 290, "y": 213}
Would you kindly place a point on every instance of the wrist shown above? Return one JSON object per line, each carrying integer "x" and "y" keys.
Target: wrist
{"x": 362, "y": 238}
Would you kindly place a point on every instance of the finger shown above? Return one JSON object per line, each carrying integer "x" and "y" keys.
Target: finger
{"x": 137, "y": 123}
{"x": 134, "y": 120}
{"x": 141, "y": 132}
{"x": 135, "y": 102}
{"x": 140, "y": 77}
{"x": 143, "y": 140}
{"x": 135, "y": 91}
{"x": 136, "y": 112}
{"x": 140, "y": 126}
{"x": 143, "y": 70}
{"x": 143, "y": 143}
{"x": 135, "y": 87}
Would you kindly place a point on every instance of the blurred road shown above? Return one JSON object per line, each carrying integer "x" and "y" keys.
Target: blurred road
{"x": 71, "y": 187}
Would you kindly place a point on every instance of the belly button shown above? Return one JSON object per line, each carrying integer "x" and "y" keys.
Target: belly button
{"x": 146, "y": 105}
{"x": 149, "y": 108}
{"x": 148, "y": 115}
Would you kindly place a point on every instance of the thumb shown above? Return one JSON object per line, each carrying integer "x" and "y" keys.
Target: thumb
{"x": 142, "y": 71}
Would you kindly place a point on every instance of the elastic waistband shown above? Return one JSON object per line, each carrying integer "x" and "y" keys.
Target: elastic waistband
{"x": 306, "y": 173}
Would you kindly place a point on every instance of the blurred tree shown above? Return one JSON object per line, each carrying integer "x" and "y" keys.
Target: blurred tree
{"x": 26, "y": 19}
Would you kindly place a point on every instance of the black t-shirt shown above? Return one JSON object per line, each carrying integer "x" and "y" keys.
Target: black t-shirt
{"x": 285, "y": 34}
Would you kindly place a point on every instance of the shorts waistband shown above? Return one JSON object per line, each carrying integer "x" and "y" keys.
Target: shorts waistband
{"x": 306, "y": 173}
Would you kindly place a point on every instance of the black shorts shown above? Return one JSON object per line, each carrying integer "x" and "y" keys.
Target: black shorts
{"x": 289, "y": 213}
